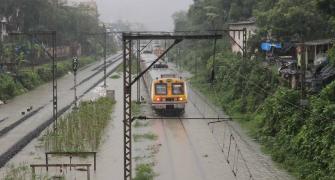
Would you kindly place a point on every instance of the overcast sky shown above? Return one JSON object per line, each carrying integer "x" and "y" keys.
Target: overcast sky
{"x": 153, "y": 14}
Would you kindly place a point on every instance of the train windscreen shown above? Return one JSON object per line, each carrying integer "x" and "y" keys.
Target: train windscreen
{"x": 177, "y": 88}
{"x": 161, "y": 89}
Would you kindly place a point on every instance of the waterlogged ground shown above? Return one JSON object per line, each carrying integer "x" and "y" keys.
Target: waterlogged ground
{"x": 193, "y": 149}
{"x": 109, "y": 155}
{"x": 167, "y": 149}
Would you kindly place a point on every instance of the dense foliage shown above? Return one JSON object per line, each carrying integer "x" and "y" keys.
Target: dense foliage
{"x": 68, "y": 21}
{"x": 281, "y": 19}
{"x": 28, "y": 79}
{"x": 76, "y": 26}
{"x": 291, "y": 19}
{"x": 301, "y": 139}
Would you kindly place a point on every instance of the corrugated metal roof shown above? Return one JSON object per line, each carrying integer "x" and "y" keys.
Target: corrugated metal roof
{"x": 319, "y": 42}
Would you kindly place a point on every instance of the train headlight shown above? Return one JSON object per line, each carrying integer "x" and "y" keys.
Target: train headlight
{"x": 158, "y": 99}
{"x": 180, "y": 99}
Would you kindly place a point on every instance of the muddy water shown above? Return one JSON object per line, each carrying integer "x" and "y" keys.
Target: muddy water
{"x": 41, "y": 97}
{"x": 187, "y": 149}
{"x": 192, "y": 149}
{"x": 109, "y": 157}
{"x": 31, "y": 153}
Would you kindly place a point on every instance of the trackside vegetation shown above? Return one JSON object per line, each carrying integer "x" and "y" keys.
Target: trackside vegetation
{"x": 28, "y": 79}
{"x": 301, "y": 140}
{"x": 82, "y": 129}
{"x": 22, "y": 172}
{"x": 144, "y": 172}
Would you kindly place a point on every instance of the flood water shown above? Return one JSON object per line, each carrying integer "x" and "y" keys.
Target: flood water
{"x": 184, "y": 148}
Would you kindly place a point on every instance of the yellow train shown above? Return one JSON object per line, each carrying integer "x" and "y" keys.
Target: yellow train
{"x": 168, "y": 92}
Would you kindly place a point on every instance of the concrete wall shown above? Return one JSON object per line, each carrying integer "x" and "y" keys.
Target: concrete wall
{"x": 238, "y": 36}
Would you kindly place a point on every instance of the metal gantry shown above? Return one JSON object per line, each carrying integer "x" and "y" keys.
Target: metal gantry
{"x": 138, "y": 60}
{"x": 127, "y": 107}
{"x": 54, "y": 81}
{"x": 105, "y": 56}
{"x": 127, "y": 39}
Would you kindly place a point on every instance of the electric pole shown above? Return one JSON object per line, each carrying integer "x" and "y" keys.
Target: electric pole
{"x": 302, "y": 57}
{"x": 138, "y": 70}
{"x": 105, "y": 55}
{"x": 54, "y": 80}
{"x": 75, "y": 65}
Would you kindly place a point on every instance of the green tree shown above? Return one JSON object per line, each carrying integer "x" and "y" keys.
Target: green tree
{"x": 291, "y": 19}
{"x": 180, "y": 21}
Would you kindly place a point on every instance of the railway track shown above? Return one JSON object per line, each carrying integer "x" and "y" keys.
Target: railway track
{"x": 3, "y": 119}
{"x": 110, "y": 63}
{"x": 8, "y": 128}
{"x": 245, "y": 162}
{"x": 29, "y": 136}
{"x": 178, "y": 151}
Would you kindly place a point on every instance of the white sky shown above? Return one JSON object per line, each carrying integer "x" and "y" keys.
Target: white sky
{"x": 155, "y": 15}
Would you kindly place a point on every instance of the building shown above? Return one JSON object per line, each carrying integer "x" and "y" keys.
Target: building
{"x": 250, "y": 26}
{"x": 3, "y": 22}
{"x": 315, "y": 49}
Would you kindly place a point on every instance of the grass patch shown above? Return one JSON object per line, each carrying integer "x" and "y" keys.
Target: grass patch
{"x": 138, "y": 124}
{"x": 22, "y": 172}
{"x": 115, "y": 76}
{"x": 135, "y": 108}
{"x": 148, "y": 136}
{"x": 144, "y": 172}
{"x": 81, "y": 130}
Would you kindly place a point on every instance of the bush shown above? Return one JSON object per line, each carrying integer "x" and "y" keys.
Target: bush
{"x": 331, "y": 56}
{"x": 8, "y": 87}
{"x": 29, "y": 79}
{"x": 45, "y": 73}
{"x": 144, "y": 172}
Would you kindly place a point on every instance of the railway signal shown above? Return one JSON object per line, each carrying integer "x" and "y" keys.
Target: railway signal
{"x": 75, "y": 64}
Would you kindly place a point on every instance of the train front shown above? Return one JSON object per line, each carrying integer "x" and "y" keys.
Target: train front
{"x": 169, "y": 94}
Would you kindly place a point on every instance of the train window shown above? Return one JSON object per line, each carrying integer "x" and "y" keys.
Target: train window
{"x": 177, "y": 88}
{"x": 161, "y": 89}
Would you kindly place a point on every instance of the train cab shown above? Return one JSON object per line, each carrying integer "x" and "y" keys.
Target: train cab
{"x": 169, "y": 93}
